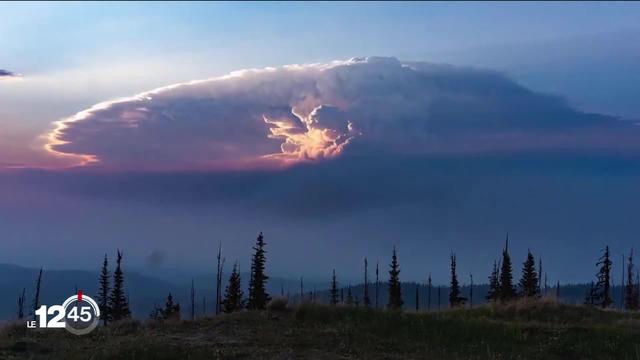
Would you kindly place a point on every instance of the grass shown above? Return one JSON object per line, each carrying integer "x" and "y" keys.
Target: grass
{"x": 522, "y": 330}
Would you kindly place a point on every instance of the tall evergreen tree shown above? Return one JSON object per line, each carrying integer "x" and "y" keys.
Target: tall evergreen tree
{"x": 589, "y": 299}
{"x": 103, "y": 291}
{"x": 156, "y": 313}
{"x": 429, "y": 286}
{"x": 455, "y": 299}
{"x": 21, "y": 300}
{"x": 233, "y": 293}
{"x": 301, "y": 290}
{"x": 118, "y": 305}
{"x": 36, "y": 297}
{"x": 333, "y": 293}
{"x": 622, "y": 285}
{"x": 395, "y": 291}
{"x": 417, "y": 297}
{"x": 258, "y": 296}
{"x": 365, "y": 296}
{"x": 494, "y": 283}
{"x": 507, "y": 291}
{"x": 349, "y": 296}
{"x": 377, "y": 283}
{"x": 603, "y": 285}
{"x": 540, "y": 276}
{"x": 471, "y": 291}
{"x": 631, "y": 296}
{"x": 171, "y": 310}
{"x": 439, "y": 298}
{"x": 529, "y": 286}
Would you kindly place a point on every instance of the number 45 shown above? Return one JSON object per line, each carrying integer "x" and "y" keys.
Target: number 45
{"x": 85, "y": 314}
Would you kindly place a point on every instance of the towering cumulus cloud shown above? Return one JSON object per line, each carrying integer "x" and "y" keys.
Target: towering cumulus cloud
{"x": 297, "y": 113}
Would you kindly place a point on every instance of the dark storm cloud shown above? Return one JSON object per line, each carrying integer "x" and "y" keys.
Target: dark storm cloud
{"x": 301, "y": 113}
{"x": 553, "y": 203}
{"x": 332, "y": 188}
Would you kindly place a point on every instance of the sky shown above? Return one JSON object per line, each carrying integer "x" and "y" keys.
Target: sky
{"x": 338, "y": 129}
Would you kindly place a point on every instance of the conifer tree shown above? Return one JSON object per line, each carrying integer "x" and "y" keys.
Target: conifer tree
{"x": 118, "y": 306}
{"x": 471, "y": 291}
{"x": 377, "y": 283}
{"x": 558, "y": 290}
{"x": 529, "y": 286}
{"x": 603, "y": 285}
{"x": 455, "y": 299}
{"x": 21, "y": 300}
{"x": 622, "y": 284}
{"x": 439, "y": 302}
{"x": 103, "y": 291}
{"x": 258, "y": 296}
{"x": 631, "y": 300}
{"x": 429, "y": 286}
{"x": 233, "y": 294}
{"x": 156, "y": 313}
{"x": 591, "y": 294}
{"x": 395, "y": 292}
{"x": 171, "y": 310}
{"x": 349, "y": 296}
{"x": 301, "y": 290}
{"x": 36, "y": 297}
{"x": 365, "y": 296}
{"x": 333, "y": 293}
{"x": 417, "y": 297}
{"x": 494, "y": 283}
{"x": 540, "y": 276}
{"x": 507, "y": 291}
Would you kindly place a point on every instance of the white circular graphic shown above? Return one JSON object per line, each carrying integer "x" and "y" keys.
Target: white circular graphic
{"x": 81, "y": 320}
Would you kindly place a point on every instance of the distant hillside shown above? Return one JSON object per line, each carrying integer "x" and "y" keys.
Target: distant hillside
{"x": 145, "y": 291}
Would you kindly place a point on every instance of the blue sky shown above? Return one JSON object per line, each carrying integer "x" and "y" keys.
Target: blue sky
{"x": 71, "y": 56}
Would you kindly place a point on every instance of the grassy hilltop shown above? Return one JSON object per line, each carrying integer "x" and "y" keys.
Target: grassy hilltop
{"x": 534, "y": 330}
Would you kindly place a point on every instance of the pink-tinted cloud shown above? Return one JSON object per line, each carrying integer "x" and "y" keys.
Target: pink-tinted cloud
{"x": 300, "y": 113}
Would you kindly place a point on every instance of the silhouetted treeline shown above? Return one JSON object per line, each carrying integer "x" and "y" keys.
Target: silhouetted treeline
{"x": 506, "y": 282}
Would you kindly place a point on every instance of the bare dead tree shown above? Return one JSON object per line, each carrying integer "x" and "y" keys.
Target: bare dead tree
{"x": 193, "y": 301}
{"x": 219, "y": 280}
{"x": 36, "y": 297}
